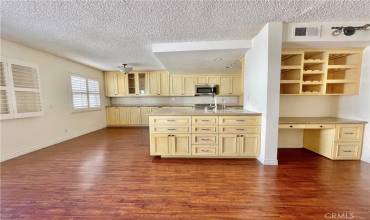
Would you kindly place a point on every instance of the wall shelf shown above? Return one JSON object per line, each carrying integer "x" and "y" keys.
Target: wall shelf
{"x": 320, "y": 71}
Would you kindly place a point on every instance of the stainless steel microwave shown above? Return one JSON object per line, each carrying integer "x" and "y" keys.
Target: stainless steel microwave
{"x": 206, "y": 89}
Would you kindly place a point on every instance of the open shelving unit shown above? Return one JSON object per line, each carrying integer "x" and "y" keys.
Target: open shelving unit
{"x": 320, "y": 71}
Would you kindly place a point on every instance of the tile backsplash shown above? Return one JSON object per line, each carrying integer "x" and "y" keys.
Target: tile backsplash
{"x": 191, "y": 100}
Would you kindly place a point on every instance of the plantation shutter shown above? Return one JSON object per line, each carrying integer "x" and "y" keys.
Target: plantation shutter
{"x": 4, "y": 91}
{"x": 26, "y": 89}
{"x": 79, "y": 92}
{"x": 93, "y": 93}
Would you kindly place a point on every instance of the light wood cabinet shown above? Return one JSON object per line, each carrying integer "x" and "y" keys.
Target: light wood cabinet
{"x": 159, "y": 144}
{"x": 189, "y": 85}
{"x": 170, "y": 144}
{"x": 249, "y": 145}
{"x": 228, "y": 145}
{"x": 115, "y": 84}
{"x": 230, "y": 85}
{"x": 112, "y": 116}
{"x": 180, "y": 144}
{"x": 144, "y": 117}
{"x": 162, "y": 83}
{"x": 198, "y": 136}
{"x": 313, "y": 71}
{"x": 177, "y": 85}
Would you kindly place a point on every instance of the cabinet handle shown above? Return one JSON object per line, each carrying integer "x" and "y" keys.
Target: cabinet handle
{"x": 204, "y": 150}
{"x": 290, "y": 126}
{"x": 349, "y": 133}
{"x": 321, "y": 126}
{"x": 347, "y": 151}
{"x": 170, "y": 120}
{"x": 205, "y": 120}
{"x": 240, "y": 129}
{"x": 241, "y": 135}
{"x": 240, "y": 120}
{"x": 171, "y": 129}
{"x": 205, "y": 129}
{"x": 205, "y": 139}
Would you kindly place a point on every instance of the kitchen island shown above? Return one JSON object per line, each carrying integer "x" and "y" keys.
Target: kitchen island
{"x": 205, "y": 134}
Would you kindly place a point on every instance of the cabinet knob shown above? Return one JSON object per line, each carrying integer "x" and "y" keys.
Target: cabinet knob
{"x": 290, "y": 126}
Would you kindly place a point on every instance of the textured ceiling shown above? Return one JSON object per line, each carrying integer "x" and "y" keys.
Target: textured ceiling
{"x": 104, "y": 34}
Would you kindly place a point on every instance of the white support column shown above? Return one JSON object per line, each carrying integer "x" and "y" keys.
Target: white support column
{"x": 262, "y": 86}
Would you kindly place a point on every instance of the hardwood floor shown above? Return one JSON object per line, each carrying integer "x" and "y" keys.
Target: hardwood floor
{"x": 109, "y": 174}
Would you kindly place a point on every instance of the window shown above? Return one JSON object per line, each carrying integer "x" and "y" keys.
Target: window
{"x": 85, "y": 93}
{"x": 19, "y": 90}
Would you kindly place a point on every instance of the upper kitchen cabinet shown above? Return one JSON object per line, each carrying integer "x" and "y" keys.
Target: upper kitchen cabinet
{"x": 162, "y": 83}
{"x": 137, "y": 83}
{"x": 230, "y": 85}
{"x": 115, "y": 84}
{"x": 159, "y": 83}
{"x": 320, "y": 71}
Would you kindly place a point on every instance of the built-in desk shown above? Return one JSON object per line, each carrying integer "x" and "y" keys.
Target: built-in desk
{"x": 334, "y": 138}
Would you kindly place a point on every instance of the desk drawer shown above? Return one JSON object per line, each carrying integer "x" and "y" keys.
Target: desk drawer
{"x": 319, "y": 126}
{"x": 170, "y": 120}
{"x": 161, "y": 129}
{"x": 350, "y": 132}
{"x": 292, "y": 126}
{"x": 204, "y": 120}
{"x": 204, "y": 129}
{"x": 204, "y": 150}
{"x": 240, "y": 129}
{"x": 240, "y": 120}
{"x": 209, "y": 139}
{"x": 349, "y": 151}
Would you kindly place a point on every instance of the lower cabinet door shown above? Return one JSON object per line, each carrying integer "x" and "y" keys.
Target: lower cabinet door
{"x": 249, "y": 145}
{"x": 347, "y": 151}
{"x": 159, "y": 144}
{"x": 180, "y": 144}
{"x": 112, "y": 116}
{"x": 228, "y": 145}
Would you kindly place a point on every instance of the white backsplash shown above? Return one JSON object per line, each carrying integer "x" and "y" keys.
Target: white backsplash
{"x": 172, "y": 100}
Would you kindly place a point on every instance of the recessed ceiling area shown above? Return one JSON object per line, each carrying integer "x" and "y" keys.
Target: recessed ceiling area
{"x": 105, "y": 34}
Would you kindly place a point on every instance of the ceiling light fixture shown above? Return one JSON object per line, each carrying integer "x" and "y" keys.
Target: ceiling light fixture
{"x": 125, "y": 68}
{"x": 349, "y": 30}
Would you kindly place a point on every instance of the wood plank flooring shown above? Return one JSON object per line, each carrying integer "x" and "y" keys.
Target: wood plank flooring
{"x": 109, "y": 174}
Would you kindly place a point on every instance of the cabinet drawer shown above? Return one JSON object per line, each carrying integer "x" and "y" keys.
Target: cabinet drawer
{"x": 209, "y": 139}
{"x": 349, "y": 132}
{"x": 161, "y": 129}
{"x": 204, "y": 150}
{"x": 240, "y": 120}
{"x": 292, "y": 126}
{"x": 319, "y": 126}
{"x": 167, "y": 121}
{"x": 347, "y": 150}
{"x": 204, "y": 120}
{"x": 240, "y": 129}
{"x": 204, "y": 129}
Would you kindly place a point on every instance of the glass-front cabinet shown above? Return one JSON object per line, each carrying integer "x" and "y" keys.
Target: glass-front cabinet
{"x": 137, "y": 84}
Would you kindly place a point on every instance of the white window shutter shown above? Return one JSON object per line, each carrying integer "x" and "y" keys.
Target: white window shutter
{"x": 79, "y": 92}
{"x": 5, "y": 95}
{"x": 94, "y": 93}
{"x": 26, "y": 88}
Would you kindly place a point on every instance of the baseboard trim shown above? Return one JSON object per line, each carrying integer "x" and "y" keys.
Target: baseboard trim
{"x": 269, "y": 162}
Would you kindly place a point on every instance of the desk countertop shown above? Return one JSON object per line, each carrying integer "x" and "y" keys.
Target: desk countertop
{"x": 318, "y": 120}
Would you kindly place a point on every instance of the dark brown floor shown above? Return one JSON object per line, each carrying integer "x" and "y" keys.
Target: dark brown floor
{"x": 109, "y": 174}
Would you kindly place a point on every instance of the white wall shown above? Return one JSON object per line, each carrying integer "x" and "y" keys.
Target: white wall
{"x": 21, "y": 136}
{"x": 358, "y": 107}
{"x": 262, "y": 85}
{"x": 359, "y": 39}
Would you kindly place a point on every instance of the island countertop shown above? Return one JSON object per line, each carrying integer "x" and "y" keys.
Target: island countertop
{"x": 190, "y": 112}
{"x": 318, "y": 120}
